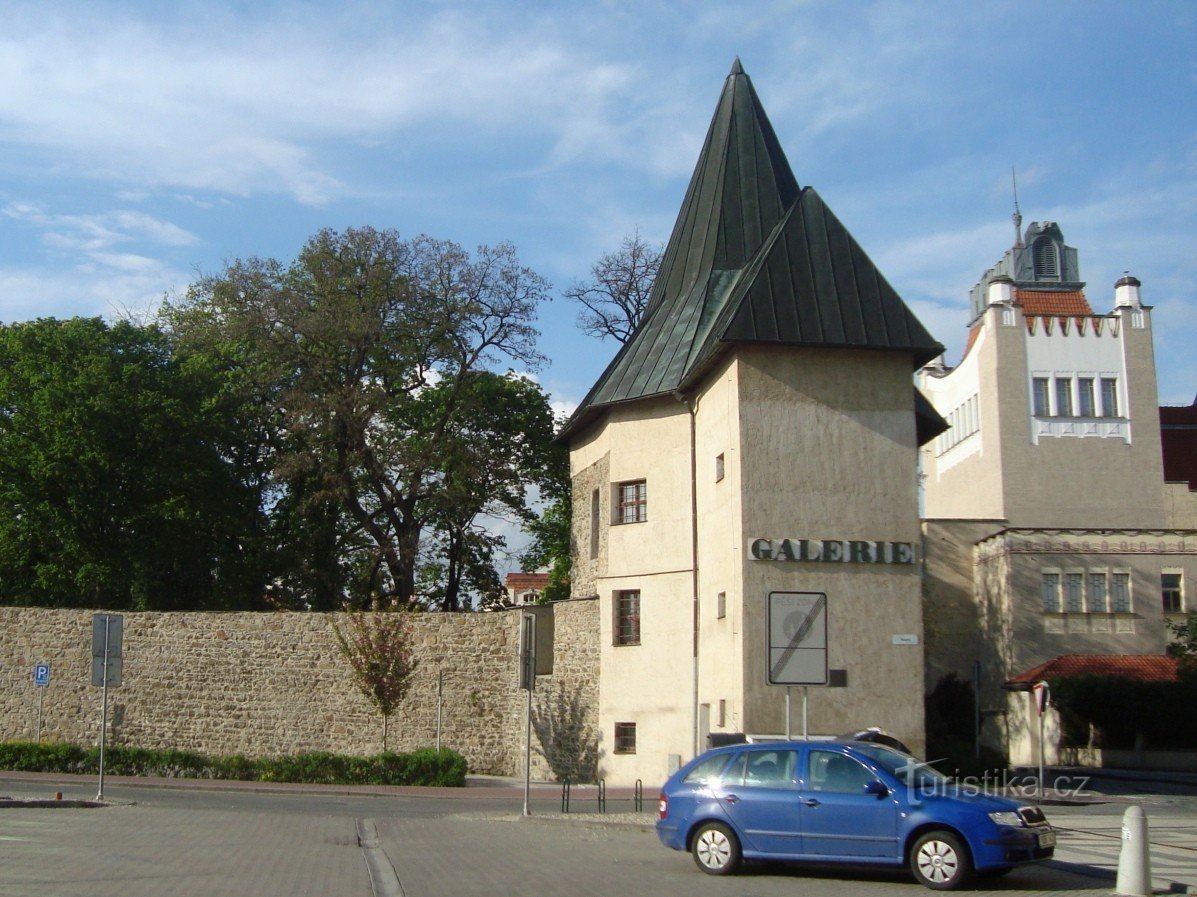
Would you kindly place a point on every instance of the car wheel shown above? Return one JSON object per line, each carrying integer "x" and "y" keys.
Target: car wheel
{"x": 715, "y": 849}
{"x": 939, "y": 861}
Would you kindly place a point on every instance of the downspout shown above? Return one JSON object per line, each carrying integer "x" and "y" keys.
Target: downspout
{"x": 692, "y": 407}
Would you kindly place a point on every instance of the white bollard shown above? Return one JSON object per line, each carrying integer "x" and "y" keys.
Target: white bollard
{"x": 1134, "y": 860}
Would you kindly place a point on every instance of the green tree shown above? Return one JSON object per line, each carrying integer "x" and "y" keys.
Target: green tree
{"x": 1184, "y": 642}
{"x": 378, "y": 649}
{"x": 337, "y": 350}
{"x": 122, "y": 483}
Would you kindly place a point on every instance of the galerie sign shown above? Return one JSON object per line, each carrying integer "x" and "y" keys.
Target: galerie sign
{"x": 833, "y": 551}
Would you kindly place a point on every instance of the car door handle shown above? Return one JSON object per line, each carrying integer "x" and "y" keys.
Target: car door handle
{"x": 811, "y": 802}
{"x": 730, "y": 798}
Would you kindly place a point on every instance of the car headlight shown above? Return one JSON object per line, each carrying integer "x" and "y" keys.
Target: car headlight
{"x": 1006, "y": 817}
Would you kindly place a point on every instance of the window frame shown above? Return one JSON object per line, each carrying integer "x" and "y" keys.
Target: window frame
{"x": 1041, "y": 396}
{"x": 1062, "y": 387}
{"x": 1057, "y": 589}
{"x": 1086, "y": 397}
{"x": 632, "y": 509}
{"x": 1096, "y": 605}
{"x": 1166, "y": 592}
{"x": 1109, "y": 397}
{"x": 625, "y": 738}
{"x": 1123, "y": 576}
{"x": 1073, "y": 578}
{"x": 625, "y": 628}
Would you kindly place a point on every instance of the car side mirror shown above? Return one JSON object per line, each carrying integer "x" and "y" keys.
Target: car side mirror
{"x": 876, "y": 787}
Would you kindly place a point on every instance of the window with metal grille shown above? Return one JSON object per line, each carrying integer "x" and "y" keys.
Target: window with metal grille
{"x": 1074, "y": 593}
{"x": 1109, "y": 397}
{"x": 1064, "y": 397}
{"x": 625, "y": 738}
{"x": 1099, "y": 599}
{"x": 1171, "y": 585}
{"x": 627, "y": 617}
{"x": 633, "y": 502}
{"x": 1041, "y": 397}
{"x": 1120, "y": 592}
{"x": 1051, "y": 593}
{"x": 1084, "y": 397}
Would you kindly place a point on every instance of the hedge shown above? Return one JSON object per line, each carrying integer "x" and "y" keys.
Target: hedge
{"x": 425, "y": 766}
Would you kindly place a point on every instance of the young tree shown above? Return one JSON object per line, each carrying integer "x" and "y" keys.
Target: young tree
{"x": 614, "y": 298}
{"x": 123, "y": 483}
{"x": 378, "y": 648}
{"x": 337, "y": 349}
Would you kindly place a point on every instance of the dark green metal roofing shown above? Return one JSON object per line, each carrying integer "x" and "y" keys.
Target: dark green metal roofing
{"x": 753, "y": 258}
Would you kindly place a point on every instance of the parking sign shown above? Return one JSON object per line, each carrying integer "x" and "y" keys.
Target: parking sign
{"x": 41, "y": 674}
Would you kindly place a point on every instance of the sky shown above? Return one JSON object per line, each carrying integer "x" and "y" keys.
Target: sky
{"x": 145, "y": 144}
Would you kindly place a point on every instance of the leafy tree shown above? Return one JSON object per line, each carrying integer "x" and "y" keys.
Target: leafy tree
{"x": 550, "y": 546}
{"x": 614, "y": 298}
{"x": 338, "y": 350}
{"x": 122, "y": 482}
{"x": 1184, "y": 642}
{"x": 566, "y": 739}
{"x": 378, "y": 648}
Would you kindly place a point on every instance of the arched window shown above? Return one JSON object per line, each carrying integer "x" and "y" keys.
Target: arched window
{"x": 1047, "y": 259}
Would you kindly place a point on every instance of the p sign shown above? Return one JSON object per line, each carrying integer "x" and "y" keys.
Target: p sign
{"x": 41, "y": 674}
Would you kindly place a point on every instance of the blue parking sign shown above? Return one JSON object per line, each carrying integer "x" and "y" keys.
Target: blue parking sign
{"x": 41, "y": 674}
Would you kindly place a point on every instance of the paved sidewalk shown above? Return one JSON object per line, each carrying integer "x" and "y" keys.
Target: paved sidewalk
{"x": 1094, "y": 841}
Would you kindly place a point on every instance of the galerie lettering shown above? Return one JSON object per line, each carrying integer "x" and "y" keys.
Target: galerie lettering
{"x": 835, "y": 551}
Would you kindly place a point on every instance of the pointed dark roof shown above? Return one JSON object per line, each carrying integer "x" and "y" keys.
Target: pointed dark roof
{"x": 753, "y": 258}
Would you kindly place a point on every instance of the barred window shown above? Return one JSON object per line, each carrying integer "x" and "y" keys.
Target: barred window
{"x": 1099, "y": 602}
{"x": 633, "y": 502}
{"x": 1051, "y": 593}
{"x": 1041, "y": 397}
{"x": 1171, "y": 591}
{"x": 1109, "y": 397}
{"x": 625, "y": 738}
{"x": 1074, "y": 593}
{"x": 627, "y": 617}
{"x": 1063, "y": 397}
{"x": 1120, "y": 592}
{"x": 1084, "y": 397}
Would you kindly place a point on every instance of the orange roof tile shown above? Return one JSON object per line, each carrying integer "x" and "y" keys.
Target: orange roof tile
{"x": 1143, "y": 667}
{"x": 526, "y": 580}
{"x": 1052, "y": 303}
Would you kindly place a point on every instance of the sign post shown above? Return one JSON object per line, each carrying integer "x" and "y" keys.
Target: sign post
{"x": 41, "y": 679}
{"x": 797, "y": 643}
{"x": 1042, "y": 693}
{"x": 107, "y": 639}
{"x": 528, "y": 683}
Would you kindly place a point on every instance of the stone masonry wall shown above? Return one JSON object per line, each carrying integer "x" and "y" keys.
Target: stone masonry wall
{"x": 262, "y": 684}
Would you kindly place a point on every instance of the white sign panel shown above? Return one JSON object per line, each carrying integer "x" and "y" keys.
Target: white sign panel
{"x": 797, "y": 638}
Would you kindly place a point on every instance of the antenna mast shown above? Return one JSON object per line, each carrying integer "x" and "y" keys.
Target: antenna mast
{"x": 1017, "y": 216}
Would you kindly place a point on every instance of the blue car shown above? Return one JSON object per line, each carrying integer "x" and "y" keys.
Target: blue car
{"x": 844, "y": 802}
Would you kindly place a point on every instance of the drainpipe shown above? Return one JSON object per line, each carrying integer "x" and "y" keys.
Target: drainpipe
{"x": 692, "y": 407}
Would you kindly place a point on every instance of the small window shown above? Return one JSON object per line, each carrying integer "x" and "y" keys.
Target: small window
{"x": 1120, "y": 592}
{"x": 722, "y": 713}
{"x": 1099, "y": 599}
{"x": 721, "y": 605}
{"x": 627, "y": 617}
{"x": 1051, "y": 593}
{"x": 633, "y": 502}
{"x": 1084, "y": 397}
{"x": 1074, "y": 593}
{"x": 719, "y": 472}
{"x": 1109, "y": 397}
{"x": 1172, "y": 591}
{"x": 595, "y": 523}
{"x": 1041, "y": 397}
{"x": 625, "y": 738}
{"x": 1063, "y": 397}
{"x": 1046, "y": 259}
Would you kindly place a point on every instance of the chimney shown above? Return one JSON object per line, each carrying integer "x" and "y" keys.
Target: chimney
{"x": 1001, "y": 290}
{"x": 1126, "y": 292}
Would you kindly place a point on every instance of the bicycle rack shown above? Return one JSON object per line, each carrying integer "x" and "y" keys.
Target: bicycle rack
{"x": 602, "y": 795}
{"x": 638, "y": 797}
{"x": 565, "y": 797}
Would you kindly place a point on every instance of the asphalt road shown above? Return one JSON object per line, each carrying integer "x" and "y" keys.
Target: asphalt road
{"x": 200, "y": 841}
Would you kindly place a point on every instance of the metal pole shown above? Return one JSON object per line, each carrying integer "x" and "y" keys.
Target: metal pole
{"x": 440, "y": 693}
{"x": 41, "y": 700}
{"x": 977, "y": 709}
{"x": 104, "y": 712}
{"x": 805, "y": 713}
{"x": 1042, "y": 750}
{"x": 788, "y": 713}
{"x": 528, "y": 756}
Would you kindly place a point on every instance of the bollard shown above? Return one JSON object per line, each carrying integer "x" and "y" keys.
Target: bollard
{"x": 1134, "y": 860}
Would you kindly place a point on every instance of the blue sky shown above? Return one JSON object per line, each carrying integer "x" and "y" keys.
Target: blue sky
{"x": 144, "y": 143}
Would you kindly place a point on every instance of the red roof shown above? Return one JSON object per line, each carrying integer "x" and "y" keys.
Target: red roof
{"x": 1055, "y": 304}
{"x": 1143, "y": 667}
{"x": 1178, "y": 437}
{"x": 521, "y": 581}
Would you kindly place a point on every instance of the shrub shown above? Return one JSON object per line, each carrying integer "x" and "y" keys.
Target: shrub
{"x": 425, "y": 766}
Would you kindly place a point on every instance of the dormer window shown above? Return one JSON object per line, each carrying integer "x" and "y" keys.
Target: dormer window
{"x": 1046, "y": 257}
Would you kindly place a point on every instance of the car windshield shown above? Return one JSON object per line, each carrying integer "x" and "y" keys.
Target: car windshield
{"x": 909, "y": 771}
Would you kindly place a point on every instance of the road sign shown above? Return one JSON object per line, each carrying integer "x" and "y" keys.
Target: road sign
{"x": 107, "y": 640}
{"x": 41, "y": 674}
{"x": 1042, "y": 692}
{"x": 797, "y": 632}
{"x": 528, "y": 652}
